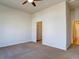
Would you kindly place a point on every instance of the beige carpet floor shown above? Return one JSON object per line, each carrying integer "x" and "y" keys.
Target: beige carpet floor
{"x": 33, "y": 51}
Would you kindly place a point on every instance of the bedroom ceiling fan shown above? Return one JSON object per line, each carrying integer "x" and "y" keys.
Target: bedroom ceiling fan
{"x": 31, "y": 1}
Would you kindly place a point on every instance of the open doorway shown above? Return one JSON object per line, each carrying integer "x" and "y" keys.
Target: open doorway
{"x": 75, "y": 34}
{"x": 39, "y": 32}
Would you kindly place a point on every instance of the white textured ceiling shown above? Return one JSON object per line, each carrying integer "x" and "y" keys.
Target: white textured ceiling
{"x": 31, "y": 9}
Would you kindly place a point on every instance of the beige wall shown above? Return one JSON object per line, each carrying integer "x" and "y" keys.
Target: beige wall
{"x": 54, "y": 25}
{"x": 75, "y": 14}
{"x": 15, "y": 26}
{"x": 68, "y": 25}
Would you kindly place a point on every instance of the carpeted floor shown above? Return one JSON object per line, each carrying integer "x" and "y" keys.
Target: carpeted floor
{"x": 33, "y": 51}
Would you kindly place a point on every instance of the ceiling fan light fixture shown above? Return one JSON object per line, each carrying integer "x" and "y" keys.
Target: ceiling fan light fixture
{"x": 30, "y": 1}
